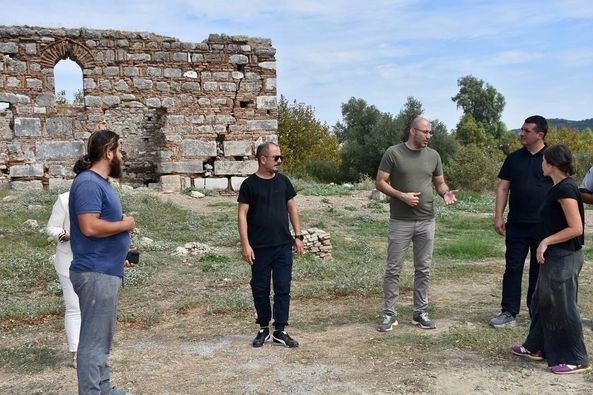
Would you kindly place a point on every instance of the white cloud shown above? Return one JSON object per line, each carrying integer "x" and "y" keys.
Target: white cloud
{"x": 380, "y": 50}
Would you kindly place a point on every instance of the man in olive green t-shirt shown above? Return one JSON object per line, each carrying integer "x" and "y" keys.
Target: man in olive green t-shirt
{"x": 407, "y": 174}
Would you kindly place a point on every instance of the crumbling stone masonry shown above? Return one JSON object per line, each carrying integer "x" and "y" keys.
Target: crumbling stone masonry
{"x": 318, "y": 243}
{"x": 190, "y": 114}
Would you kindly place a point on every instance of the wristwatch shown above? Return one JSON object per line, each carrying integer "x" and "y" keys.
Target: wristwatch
{"x": 300, "y": 237}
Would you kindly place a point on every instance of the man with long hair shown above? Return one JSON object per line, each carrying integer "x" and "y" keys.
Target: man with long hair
{"x": 100, "y": 240}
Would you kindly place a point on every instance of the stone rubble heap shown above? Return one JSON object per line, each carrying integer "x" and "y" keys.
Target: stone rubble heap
{"x": 318, "y": 243}
{"x": 192, "y": 249}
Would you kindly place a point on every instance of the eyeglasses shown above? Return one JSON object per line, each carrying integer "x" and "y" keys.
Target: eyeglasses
{"x": 426, "y": 132}
{"x": 276, "y": 157}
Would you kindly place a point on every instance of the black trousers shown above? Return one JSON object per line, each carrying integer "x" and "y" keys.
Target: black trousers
{"x": 520, "y": 240}
{"x": 274, "y": 263}
{"x": 556, "y": 327}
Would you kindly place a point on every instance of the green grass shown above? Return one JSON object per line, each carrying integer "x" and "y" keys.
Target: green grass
{"x": 378, "y": 206}
{"x": 473, "y": 202}
{"x": 214, "y": 263}
{"x": 468, "y": 247}
{"x": 309, "y": 188}
{"x": 28, "y": 360}
{"x": 484, "y": 339}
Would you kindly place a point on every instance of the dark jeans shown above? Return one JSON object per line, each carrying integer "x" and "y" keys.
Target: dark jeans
{"x": 97, "y": 295}
{"x": 556, "y": 327}
{"x": 520, "y": 239}
{"x": 272, "y": 263}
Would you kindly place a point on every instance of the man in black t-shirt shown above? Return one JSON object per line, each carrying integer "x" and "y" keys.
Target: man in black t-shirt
{"x": 266, "y": 202}
{"x": 524, "y": 185}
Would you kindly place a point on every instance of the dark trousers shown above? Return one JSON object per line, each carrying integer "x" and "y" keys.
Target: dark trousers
{"x": 273, "y": 263}
{"x": 520, "y": 239}
{"x": 556, "y": 327}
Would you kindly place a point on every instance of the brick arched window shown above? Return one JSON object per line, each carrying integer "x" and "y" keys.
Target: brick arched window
{"x": 64, "y": 49}
{"x": 63, "y": 56}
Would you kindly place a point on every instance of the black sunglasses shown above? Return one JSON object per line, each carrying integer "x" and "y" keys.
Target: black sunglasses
{"x": 276, "y": 157}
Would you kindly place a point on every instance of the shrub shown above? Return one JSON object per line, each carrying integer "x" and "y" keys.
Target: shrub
{"x": 474, "y": 168}
{"x": 323, "y": 171}
{"x": 583, "y": 161}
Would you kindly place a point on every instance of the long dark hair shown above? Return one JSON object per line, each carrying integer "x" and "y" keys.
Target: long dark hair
{"x": 98, "y": 145}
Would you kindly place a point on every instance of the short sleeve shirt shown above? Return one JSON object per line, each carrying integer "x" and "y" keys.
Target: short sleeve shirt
{"x": 91, "y": 193}
{"x": 412, "y": 171}
{"x": 528, "y": 185}
{"x": 587, "y": 184}
{"x": 267, "y": 217}
{"x": 551, "y": 216}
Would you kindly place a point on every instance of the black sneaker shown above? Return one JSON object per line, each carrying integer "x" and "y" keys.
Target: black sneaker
{"x": 262, "y": 336}
{"x": 281, "y": 338}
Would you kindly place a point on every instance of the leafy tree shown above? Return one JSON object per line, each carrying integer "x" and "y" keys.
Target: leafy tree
{"x": 483, "y": 102}
{"x": 412, "y": 109}
{"x": 61, "y": 98}
{"x": 364, "y": 134}
{"x": 471, "y": 132}
{"x": 580, "y": 143}
{"x": 442, "y": 141}
{"x": 564, "y": 135}
{"x": 508, "y": 142}
{"x": 303, "y": 138}
{"x": 583, "y": 161}
{"x": 474, "y": 168}
{"x": 78, "y": 98}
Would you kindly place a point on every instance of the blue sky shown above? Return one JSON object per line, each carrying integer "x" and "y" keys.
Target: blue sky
{"x": 538, "y": 54}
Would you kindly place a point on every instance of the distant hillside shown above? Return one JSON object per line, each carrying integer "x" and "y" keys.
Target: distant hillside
{"x": 581, "y": 125}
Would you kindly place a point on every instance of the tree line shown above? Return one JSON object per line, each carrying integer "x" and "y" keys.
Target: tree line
{"x": 472, "y": 153}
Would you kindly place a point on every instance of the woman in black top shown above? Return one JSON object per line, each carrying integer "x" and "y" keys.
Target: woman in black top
{"x": 556, "y": 332}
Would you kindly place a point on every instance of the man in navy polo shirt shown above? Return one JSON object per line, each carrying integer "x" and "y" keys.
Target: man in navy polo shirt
{"x": 100, "y": 241}
{"x": 524, "y": 185}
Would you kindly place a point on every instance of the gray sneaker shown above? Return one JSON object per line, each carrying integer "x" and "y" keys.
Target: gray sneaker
{"x": 502, "y": 320}
{"x": 422, "y": 320}
{"x": 387, "y": 323}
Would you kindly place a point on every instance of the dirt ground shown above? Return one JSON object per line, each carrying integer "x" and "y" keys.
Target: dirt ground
{"x": 198, "y": 353}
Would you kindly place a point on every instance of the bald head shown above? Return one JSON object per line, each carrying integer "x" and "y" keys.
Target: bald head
{"x": 420, "y": 133}
{"x": 420, "y": 122}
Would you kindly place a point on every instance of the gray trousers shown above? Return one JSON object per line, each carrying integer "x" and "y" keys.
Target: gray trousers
{"x": 97, "y": 294}
{"x": 400, "y": 234}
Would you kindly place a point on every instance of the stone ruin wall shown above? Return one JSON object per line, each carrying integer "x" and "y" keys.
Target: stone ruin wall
{"x": 189, "y": 114}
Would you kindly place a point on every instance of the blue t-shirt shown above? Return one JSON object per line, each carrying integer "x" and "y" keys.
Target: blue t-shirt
{"x": 91, "y": 193}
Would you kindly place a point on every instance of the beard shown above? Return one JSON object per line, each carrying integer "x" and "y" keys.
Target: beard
{"x": 115, "y": 168}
